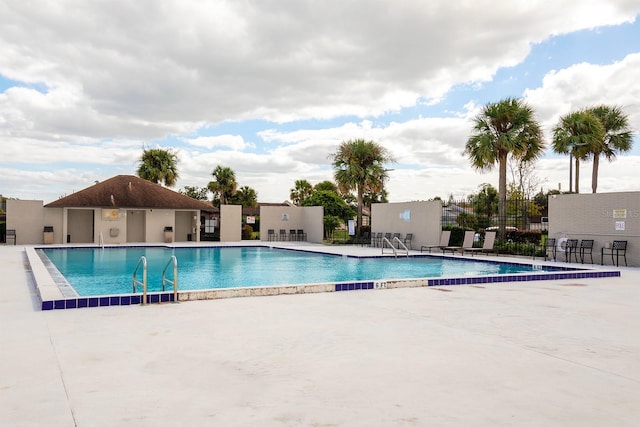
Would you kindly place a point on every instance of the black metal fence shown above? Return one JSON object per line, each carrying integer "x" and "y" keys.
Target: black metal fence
{"x": 525, "y": 224}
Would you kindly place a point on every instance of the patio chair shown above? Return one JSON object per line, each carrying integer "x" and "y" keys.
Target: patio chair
{"x": 377, "y": 240}
{"x": 292, "y": 235}
{"x": 466, "y": 244}
{"x": 407, "y": 240}
{"x": 586, "y": 247}
{"x": 283, "y": 235}
{"x": 271, "y": 235}
{"x": 618, "y": 247}
{"x": 10, "y": 234}
{"x": 487, "y": 245}
{"x": 550, "y": 247}
{"x": 302, "y": 236}
{"x": 571, "y": 248}
{"x": 445, "y": 236}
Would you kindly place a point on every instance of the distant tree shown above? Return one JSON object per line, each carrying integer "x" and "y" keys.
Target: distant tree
{"x": 485, "y": 204}
{"x": 359, "y": 167}
{"x": 617, "y": 137}
{"x": 503, "y": 129}
{"x": 225, "y": 184}
{"x": 301, "y": 190}
{"x": 198, "y": 193}
{"x": 332, "y": 202}
{"x": 326, "y": 186}
{"x": 245, "y": 196}
{"x": 159, "y": 166}
{"x": 578, "y": 133}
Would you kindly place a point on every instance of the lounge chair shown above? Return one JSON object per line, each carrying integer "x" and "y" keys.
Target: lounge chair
{"x": 487, "y": 246}
{"x": 586, "y": 247}
{"x": 618, "y": 247}
{"x": 467, "y": 243}
{"x": 376, "y": 240}
{"x": 444, "y": 241}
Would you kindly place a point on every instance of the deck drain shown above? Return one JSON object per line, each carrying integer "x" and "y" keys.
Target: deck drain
{"x": 441, "y": 289}
{"x": 573, "y": 284}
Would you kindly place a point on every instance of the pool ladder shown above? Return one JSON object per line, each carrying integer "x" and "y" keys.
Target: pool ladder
{"x": 174, "y": 262}
{"x": 142, "y": 262}
{"x": 396, "y": 251}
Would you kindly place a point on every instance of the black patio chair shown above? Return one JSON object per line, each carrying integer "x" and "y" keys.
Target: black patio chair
{"x": 551, "y": 247}
{"x": 619, "y": 247}
{"x": 571, "y": 248}
{"x": 586, "y": 247}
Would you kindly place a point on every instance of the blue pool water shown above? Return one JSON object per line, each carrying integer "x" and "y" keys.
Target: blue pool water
{"x": 109, "y": 271}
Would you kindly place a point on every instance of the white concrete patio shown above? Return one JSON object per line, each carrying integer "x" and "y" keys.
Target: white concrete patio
{"x": 548, "y": 353}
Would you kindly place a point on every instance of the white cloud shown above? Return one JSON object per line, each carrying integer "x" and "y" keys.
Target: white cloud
{"x": 104, "y": 80}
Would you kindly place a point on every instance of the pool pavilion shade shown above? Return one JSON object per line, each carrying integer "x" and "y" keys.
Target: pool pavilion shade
{"x": 129, "y": 191}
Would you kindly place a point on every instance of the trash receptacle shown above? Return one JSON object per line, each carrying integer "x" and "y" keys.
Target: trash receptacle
{"x": 168, "y": 234}
{"x": 48, "y": 235}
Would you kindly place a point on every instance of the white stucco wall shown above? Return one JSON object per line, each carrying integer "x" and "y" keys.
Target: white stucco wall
{"x": 602, "y": 217}
{"x": 230, "y": 223}
{"x": 423, "y": 219}
{"x": 287, "y": 218}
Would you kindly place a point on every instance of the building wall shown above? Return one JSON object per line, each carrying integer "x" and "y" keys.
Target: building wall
{"x": 287, "y": 218}
{"x": 602, "y": 217}
{"x": 27, "y": 218}
{"x": 423, "y": 219}
{"x": 230, "y": 223}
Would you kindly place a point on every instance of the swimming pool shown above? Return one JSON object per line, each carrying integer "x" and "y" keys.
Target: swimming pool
{"x": 95, "y": 271}
{"x": 210, "y": 272}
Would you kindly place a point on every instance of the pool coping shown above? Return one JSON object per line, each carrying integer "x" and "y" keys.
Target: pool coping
{"x": 52, "y": 292}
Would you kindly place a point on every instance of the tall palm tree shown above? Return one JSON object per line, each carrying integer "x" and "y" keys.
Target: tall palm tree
{"x": 359, "y": 166}
{"x": 577, "y": 133}
{"x": 617, "y": 137}
{"x": 159, "y": 165}
{"x": 225, "y": 184}
{"x": 502, "y": 129}
{"x": 300, "y": 191}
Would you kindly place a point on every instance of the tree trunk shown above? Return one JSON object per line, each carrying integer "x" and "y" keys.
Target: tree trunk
{"x": 594, "y": 173}
{"x": 577, "y": 175}
{"x": 360, "y": 203}
{"x": 502, "y": 196}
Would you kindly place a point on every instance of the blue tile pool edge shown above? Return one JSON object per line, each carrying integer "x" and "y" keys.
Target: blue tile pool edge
{"x": 62, "y": 303}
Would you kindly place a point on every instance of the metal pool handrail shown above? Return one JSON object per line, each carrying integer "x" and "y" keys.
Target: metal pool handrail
{"x": 142, "y": 261}
{"x": 174, "y": 283}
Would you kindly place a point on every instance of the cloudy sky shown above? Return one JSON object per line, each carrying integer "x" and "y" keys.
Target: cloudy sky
{"x": 271, "y": 87}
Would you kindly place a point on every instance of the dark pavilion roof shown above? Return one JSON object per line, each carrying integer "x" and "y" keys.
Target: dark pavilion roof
{"x": 129, "y": 191}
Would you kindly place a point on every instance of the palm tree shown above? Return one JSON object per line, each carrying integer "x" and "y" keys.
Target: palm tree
{"x": 505, "y": 128}
{"x": 300, "y": 191}
{"x": 359, "y": 166}
{"x": 225, "y": 184}
{"x": 159, "y": 165}
{"x": 578, "y": 134}
{"x": 246, "y": 196}
{"x": 617, "y": 137}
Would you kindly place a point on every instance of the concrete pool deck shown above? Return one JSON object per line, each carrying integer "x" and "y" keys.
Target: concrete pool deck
{"x": 552, "y": 353}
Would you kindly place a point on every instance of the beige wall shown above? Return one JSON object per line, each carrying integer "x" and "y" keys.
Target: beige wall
{"x": 230, "y": 223}
{"x": 286, "y": 218}
{"x": 596, "y": 216}
{"x": 423, "y": 219}
{"x": 27, "y": 218}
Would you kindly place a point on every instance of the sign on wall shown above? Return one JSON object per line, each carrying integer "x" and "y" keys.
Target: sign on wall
{"x": 110, "y": 214}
